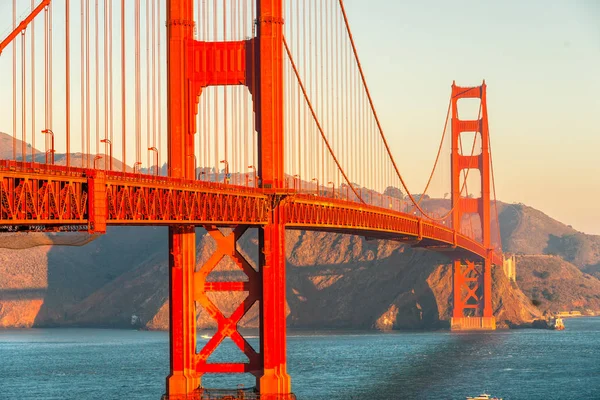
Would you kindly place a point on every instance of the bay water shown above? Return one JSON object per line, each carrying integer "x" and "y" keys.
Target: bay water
{"x": 127, "y": 364}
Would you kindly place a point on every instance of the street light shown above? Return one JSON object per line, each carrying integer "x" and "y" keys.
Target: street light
{"x": 316, "y": 180}
{"x": 332, "y": 188}
{"x": 155, "y": 150}
{"x": 137, "y": 165}
{"x": 297, "y": 188}
{"x": 108, "y": 143}
{"x": 49, "y": 132}
{"x": 226, "y": 177}
{"x": 96, "y": 159}
{"x": 253, "y": 168}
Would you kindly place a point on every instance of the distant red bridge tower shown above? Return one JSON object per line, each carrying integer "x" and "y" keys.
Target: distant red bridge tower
{"x": 472, "y": 284}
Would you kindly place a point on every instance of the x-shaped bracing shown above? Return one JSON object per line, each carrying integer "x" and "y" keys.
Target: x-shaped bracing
{"x": 227, "y": 326}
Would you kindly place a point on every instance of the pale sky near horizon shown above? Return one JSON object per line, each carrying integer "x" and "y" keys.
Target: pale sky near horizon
{"x": 541, "y": 62}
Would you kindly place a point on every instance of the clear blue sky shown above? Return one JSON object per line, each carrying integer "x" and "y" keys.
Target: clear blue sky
{"x": 540, "y": 59}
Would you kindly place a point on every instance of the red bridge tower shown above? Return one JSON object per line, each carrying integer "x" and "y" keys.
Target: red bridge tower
{"x": 193, "y": 65}
{"x": 472, "y": 285}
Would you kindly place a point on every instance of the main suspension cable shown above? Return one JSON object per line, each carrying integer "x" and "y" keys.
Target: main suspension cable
{"x": 289, "y": 53}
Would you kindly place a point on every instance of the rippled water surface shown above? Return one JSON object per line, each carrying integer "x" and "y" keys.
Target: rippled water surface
{"x": 118, "y": 364}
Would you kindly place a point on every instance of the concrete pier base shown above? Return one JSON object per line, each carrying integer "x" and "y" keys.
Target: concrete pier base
{"x": 473, "y": 324}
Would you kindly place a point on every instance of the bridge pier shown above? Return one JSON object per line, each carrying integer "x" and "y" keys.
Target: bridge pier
{"x": 472, "y": 296}
{"x": 183, "y": 380}
{"x": 275, "y": 381}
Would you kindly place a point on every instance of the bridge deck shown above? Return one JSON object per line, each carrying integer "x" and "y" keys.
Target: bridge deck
{"x": 39, "y": 197}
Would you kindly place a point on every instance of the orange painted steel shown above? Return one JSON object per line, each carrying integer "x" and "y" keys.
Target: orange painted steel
{"x": 227, "y": 326}
{"x": 183, "y": 380}
{"x": 135, "y": 199}
{"x": 23, "y": 24}
{"x": 463, "y": 206}
{"x": 192, "y": 66}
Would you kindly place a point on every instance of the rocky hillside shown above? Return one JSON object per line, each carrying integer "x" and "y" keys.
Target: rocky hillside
{"x": 558, "y": 267}
{"x": 554, "y": 284}
{"x": 334, "y": 281}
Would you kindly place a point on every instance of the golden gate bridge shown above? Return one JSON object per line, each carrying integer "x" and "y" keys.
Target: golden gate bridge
{"x": 269, "y": 125}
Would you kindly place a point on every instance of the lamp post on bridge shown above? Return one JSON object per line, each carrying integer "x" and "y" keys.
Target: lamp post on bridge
{"x": 316, "y": 180}
{"x": 137, "y": 166}
{"x": 96, "y": 159}
{"x": 297, "y": 188}
{"x": 332, "y": 188}
{"x": 108, "y": 143}
{"x": 226, "y": 177}
{"x": 49, "y": 132}
{"x": 155, "y": 150}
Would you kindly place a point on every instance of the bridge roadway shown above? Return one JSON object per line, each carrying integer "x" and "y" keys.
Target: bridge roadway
{"x": 40, "y": 197}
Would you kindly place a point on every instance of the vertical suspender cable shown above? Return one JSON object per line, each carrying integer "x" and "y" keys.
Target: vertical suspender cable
{"x": 46, "y": 103}
{"x": 299, "y": 149}
{"x": 225, "y": 141}
{"x": 321, "y": 90}
{"x": 32, "y": 86}
{"x": 97, "y": 77}
{"x": 233, "y": 96}
{"x": 87, "y": 82}
{"x": 14, "y": 82}
{"x": 159, "y": 82}
{"x": 216, "y": 101}
{"x": 68, "y": 82}
{"x": 138, "y": 130}
{"x": 23, "y": 99}
{"x": 245, "y": 100}
{"x": 105, "y": 81}
{"x": 123, "y": 93}
{"x": 149, "y": 156}
{"x": 254, "y": 81}
{"x": 110, "y": 75}
{"x": 154, "y": 82}
{"x": 82, "y": 72}
{"x": 305, "y": 69}
{"x": 50, "y": 95}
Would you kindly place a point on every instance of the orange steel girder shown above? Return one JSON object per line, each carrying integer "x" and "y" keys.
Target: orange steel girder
{"x": 258, "y": 64}
{"x": 464, "y": 205}
{"x": 227, "y": 326}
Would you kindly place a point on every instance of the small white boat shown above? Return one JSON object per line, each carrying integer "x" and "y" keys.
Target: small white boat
{"x": 484, "y": 396}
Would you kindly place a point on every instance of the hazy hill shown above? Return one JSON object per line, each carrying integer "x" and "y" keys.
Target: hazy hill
{"x": 6, "y": 153}
{"x": 554, "y": 284}
{"x": 6, "y": 147}
{"x": 526, "y": 230}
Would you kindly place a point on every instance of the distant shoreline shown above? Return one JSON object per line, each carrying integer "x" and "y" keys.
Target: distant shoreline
{"x": 251, "y": 332}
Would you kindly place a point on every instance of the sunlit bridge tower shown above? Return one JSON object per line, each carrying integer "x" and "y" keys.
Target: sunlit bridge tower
{"x": 472, "y": 278}
{"x": 192, "y": 66}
